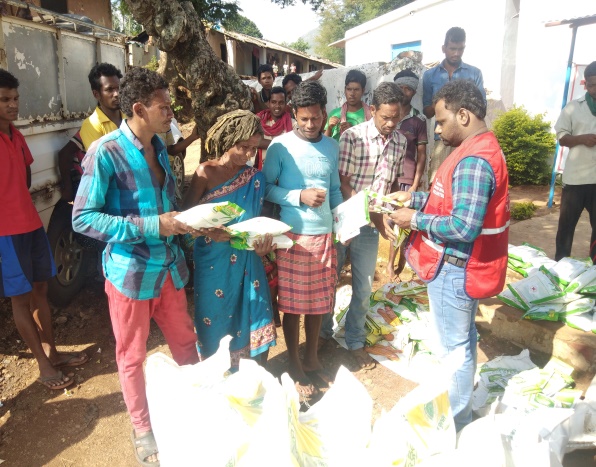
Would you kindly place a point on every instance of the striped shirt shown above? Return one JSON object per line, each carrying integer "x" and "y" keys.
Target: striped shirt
{"x": 472, "y": 188}
{"x": 369, "y": 160}
{"x": 119, "y": 202}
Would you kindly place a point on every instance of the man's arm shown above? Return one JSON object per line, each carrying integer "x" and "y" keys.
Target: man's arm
{"x": 480, "y": 84}
{"x": 88, "y": 217}
{"x": 272, "y": 169}
{"x": 564, "y": 129}
{"x": 472, "y": 189}
{"x": 183, "y": 143}
{"x": 578, "y": 140}
{"x": 420, "y": 165}
{"x": 65, "y": 158}
{"x": 428, "y": 109}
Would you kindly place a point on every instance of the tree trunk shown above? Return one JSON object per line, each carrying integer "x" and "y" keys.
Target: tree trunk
{"x": 215, "y": 87}
{"x": 167, "y": 70}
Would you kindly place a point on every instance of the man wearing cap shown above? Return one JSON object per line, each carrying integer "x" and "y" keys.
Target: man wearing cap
{"x": 411, "y": 166}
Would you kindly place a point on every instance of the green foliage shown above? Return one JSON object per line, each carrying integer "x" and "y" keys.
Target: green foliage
{"x": 153, "y": 64}
{"x": 122, "y": 20}
{"x": 212, "y": 11}
{"x": 528, "y": 145}
{"x": 299, "y": 44}
{"x": 337, "y": 16}
{"x": 238, "y": 23}
{"x": 522, "y": 211}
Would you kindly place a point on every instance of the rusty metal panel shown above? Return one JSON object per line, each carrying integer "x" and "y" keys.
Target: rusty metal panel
{"x": 114, "y": 54}
{"x": 78, "y": 59}
{"x": 32, "y": 58}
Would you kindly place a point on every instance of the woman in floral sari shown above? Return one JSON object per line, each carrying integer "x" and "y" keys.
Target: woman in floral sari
{"x": 230, "y": 285}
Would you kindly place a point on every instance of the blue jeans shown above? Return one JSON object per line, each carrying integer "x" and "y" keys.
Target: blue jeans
{"x": 363, "y": 256}
{"x": 452, "y": 315}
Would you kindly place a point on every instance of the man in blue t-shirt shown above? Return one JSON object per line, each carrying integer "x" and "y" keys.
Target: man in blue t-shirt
{"x": 450, "y": 69}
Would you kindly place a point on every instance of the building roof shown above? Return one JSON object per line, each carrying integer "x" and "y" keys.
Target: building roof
{"x": 573, "y": 22}
{"x": 274, "y": 46}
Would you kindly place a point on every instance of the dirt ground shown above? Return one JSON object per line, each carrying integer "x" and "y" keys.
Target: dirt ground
{"x": 88, "y": 425}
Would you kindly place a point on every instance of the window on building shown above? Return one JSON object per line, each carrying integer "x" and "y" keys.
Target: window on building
{"x": 396, "y": 49}
{"x": 59, "y": 6}
{"x": 224, "y": 52}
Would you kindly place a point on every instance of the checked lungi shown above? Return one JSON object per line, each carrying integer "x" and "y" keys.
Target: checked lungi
{"x": 307, "y": 275}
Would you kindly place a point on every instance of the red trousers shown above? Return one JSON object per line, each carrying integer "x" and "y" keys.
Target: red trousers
{"x": 130, "y": 322}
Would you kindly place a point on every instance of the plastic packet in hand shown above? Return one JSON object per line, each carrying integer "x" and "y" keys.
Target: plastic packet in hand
{"x": 210, "y": 215}
{"x": 401, "y": 235}
{"x": 246, "y": 232}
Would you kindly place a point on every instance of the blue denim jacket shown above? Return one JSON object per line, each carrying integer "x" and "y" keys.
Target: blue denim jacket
{"x": 435, "y": 78}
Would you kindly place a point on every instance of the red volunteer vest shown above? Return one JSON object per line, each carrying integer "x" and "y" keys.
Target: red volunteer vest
{"x": 486, "y": 267}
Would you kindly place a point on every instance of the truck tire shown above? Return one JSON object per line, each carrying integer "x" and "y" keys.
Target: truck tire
{"x": 72, "y": 260}
{"x": 177, "y": 165}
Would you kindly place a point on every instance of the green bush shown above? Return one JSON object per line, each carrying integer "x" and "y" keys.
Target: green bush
{"x": 528, "y": 145}
{"x": 153, "y": 64}
{"x": 523, "y": 211}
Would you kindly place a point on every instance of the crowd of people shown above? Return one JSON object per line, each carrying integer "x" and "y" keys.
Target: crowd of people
{"x": 292, "y": 161}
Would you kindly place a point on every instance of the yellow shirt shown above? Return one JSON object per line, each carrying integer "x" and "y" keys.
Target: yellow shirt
{"x": 95, "y": 126}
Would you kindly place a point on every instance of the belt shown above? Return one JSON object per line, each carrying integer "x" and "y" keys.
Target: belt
{"x": 460, "y": 263}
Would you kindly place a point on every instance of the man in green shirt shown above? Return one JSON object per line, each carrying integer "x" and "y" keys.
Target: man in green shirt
{"x": 353, "y": 111}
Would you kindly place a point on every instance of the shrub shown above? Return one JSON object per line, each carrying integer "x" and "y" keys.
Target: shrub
{"x": 528, "y": 146}
{"x": 153, "y": 64}
{"x": 523, "y": 211}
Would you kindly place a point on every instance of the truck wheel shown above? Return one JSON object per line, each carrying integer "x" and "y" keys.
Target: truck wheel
{"x": 177, "y": 164}
{"x": 72, "y": 260}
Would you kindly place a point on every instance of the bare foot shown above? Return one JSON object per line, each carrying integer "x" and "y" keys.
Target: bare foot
{"x": 302, "y": 382}
{"x": 363, "y": 359}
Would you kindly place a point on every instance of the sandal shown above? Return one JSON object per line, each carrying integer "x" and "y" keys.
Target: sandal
{"x": 58, "y": 378}
{"x": 73, "y": 359}
{"x": 144, "y": 446}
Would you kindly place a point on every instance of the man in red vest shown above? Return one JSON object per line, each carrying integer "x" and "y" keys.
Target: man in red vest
{"x": 460, "y": 231}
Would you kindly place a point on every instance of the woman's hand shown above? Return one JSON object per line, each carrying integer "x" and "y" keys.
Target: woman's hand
{"x": 217, "y": 234}
{"x": 264, "y": 245}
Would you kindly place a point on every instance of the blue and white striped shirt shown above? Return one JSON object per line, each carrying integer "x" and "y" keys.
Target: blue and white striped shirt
{"x": 119, "y": 202}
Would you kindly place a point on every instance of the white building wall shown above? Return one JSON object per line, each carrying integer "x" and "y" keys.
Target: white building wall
{"x": 428, "y": 21}
{"x": 542, "y": 52}
{"x": 522, "y": 61}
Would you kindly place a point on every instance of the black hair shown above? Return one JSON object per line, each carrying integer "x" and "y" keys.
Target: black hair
{"x": 7, "y": 80}
{"x": 309, "y": 93}
{"x": 356, "y": 76}
{"x": 406, "y": 74}
{"x": 279, "y": 90}
{"x": 138, "y": 85}
{"x": 265, "y": 68}
{"x": 387, "y": 93}
{"x": 455, "y": 35}
{"x": 99, "y": 70}
{"x": 590, "y": 70}
{"x": 462, "y": 94}
{"x": 291, "y": 77}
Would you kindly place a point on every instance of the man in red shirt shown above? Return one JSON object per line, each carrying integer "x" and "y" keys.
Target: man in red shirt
{"x": 25, "y": 259}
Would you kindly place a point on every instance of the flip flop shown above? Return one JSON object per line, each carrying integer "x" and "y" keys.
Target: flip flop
{"x": 363, "y": 359}
{"x": 147, "y": 445}
{"x": 73, "y": 360}
{"x": 322, "y": 379}
{"x": 58, "y": 377}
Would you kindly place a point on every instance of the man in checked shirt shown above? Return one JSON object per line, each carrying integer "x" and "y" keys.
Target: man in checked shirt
{"x": 127, "y": 199}
{"x": 368, "y": 159}
{"x": 459, "y": 238}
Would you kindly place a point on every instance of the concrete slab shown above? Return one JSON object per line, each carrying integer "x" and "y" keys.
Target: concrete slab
{"x": 575, "y": 347}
